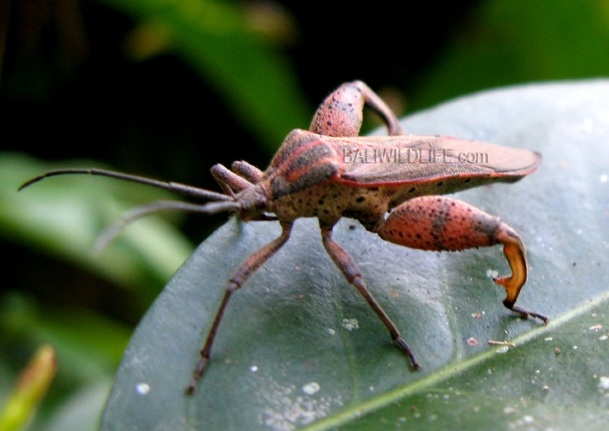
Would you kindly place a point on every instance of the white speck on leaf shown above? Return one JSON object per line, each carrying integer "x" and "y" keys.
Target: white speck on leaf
{"x": 287, "y": 410}
{"x": 311, "y": 388}
{"x": 350, "y": 324}
{"x": 492, "y": 273}
{"x": 603, "y": 383}
{"x": 142, "y": 388}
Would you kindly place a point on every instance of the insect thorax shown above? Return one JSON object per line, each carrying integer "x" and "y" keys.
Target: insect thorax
{"x": 330, "y": 201}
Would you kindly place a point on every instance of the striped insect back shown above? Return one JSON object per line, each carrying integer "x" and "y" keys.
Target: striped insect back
{"x": 305, "y": 160}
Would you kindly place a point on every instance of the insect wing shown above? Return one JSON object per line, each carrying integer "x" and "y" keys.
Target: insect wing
{"x": 405, "y": 159}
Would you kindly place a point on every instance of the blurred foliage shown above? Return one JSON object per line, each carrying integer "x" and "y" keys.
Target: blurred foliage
{"x": 32, "y": 386}
{"x": 222, "y": 45}
{"x": 167, "y": 88}
{"x": 506, "y": 42}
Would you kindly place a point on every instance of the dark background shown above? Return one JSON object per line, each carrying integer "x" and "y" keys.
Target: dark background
{"x": 73, "y": 95}
{"x": 70, "y": 91}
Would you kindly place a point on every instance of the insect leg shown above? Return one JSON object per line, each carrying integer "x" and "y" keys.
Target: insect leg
{"x": 238, "y": 279}
{"x": 229, "y": 181}
{"x": 349, "y": 269}
{"x": 241, "y": 177}
{"x": 247, "y": 171}
{"x": 379, "y": 106}
{"x": 440, "y": 223}
{"x": 341, "y": 113}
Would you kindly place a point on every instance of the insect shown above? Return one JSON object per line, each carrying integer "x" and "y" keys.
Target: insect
{"x": 390, "y": 184}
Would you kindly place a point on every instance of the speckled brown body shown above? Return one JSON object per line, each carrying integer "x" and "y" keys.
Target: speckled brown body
{"x": 315, "y": 175}
{"x": 390, "y": 184}
{"x": 332, "y": 201}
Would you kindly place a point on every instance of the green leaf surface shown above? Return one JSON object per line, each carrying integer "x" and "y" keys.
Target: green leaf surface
{"x": 300, "y": 349}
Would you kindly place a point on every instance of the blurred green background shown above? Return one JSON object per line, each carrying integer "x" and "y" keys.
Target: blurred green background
{"x": 168, "y": 88}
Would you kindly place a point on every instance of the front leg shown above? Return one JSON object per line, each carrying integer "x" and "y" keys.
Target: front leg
{"x": 244, "y": 272}
{"x": 229, "y": 181}
{"x": 439, "y": 223}
{"x": 242, "y": 176}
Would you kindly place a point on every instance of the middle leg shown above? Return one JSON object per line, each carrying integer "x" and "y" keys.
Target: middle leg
{"x": 351, "y": 272}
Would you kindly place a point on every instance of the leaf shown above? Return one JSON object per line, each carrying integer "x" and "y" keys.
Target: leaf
{"x": 62, "y": 216}
{"x": 299, "y": 348}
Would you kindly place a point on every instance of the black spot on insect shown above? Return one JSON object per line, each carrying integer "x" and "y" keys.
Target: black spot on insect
{"x": 360, "y": 199}
{"x": 412, "y": 190}
{"x": 440, "y": 184}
